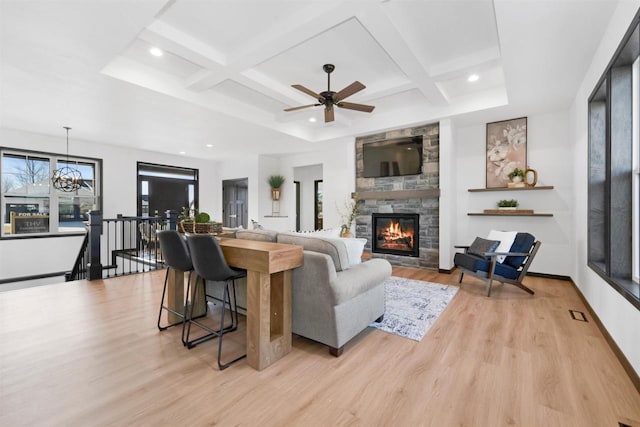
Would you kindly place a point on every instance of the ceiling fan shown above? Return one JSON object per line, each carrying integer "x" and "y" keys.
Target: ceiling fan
{"x": 328, "y": 98}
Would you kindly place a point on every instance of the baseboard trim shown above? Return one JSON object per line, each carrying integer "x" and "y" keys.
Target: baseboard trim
{"x": 550, "y": 276}
{"x": 33, "y": 277}
{"x": 529, "y": 273}
{"x": 626, "y": 365}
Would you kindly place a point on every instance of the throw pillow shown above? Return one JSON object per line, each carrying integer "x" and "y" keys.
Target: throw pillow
{"x": 355, "y": 247}
{"x": 480, "y": 246}
{"x": 506, "y": 239}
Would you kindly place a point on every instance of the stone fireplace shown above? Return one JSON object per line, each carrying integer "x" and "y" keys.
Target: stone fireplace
{"x": 417, "y": 195}
{"x": 395, "y": 234}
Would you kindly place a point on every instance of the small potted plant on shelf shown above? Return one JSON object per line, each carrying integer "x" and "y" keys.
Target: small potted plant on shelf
{"x": 517, "y": 178}
{"x": 275, "y": 181}
{"x": 508, "y": 205}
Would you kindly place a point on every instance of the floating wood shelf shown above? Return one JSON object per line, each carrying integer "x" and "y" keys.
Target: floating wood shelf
{"x": 511, "y": 211}
{"x": 432, "y": 193}
{"x": 508, "y": 213}
{"x": 541, "y": 187}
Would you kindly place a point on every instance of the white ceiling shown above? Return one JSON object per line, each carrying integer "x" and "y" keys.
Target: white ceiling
{"x": 228, "y": 65}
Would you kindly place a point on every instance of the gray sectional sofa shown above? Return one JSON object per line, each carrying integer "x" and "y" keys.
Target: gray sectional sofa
{"x": 334, "y": 297}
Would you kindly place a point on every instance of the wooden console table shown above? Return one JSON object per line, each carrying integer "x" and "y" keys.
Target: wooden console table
{"x": 269, "y": 275}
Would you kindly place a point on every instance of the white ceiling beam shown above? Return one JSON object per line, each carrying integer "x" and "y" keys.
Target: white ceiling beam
{"x": 385, "y": 33}
{"x": 185, "y": 45}
{"x": 477, "y": 61}
{"x": 292, "y": 31}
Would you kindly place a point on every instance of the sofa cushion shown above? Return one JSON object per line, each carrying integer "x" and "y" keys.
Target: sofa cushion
{"x": 475, "y": 263}
{"x": 261, "y": 235}
{"x": 335, "y": 248}
{"x": 522, "y": 243}
{"x": 360, "y": 279}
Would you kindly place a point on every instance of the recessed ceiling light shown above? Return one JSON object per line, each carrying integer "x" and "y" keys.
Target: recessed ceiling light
{"x": 473, "y": 78}
{"x": 312, "y": 119}
{"x": 183, "y": 153}
{"x": 155, "y": 51}
{"x": 209, "y": 145}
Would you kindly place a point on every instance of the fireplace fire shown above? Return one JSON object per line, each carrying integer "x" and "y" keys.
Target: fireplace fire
{"x": 395, "y": 234}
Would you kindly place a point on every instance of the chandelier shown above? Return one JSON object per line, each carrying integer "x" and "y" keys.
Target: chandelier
{"x": 66, "y": 178}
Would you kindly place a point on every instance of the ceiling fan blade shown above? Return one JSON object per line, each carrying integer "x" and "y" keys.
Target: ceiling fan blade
{"x": 301, "y": 107}
{"x": 308, "y": 92}
{"x": 349, "y": 90}
{"x": 328, "y": 114}
{"x": 358, "y": 107}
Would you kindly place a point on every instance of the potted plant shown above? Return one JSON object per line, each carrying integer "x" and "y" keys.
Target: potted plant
{"x": 204, "y": 224}
{"x": 275, "y": 181}
{"x": 516, "y": 175}
{"x": 186, "y": 222}
{"x": 510, "y": 205}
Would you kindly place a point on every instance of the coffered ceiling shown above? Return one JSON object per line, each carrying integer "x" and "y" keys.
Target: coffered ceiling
{"x": 227, "y": 67}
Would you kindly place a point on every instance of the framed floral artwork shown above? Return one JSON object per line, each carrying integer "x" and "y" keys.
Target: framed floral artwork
{"x": 506, "y": 150}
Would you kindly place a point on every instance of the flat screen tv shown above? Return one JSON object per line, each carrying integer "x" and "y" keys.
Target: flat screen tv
{"x": 393, "y": 157}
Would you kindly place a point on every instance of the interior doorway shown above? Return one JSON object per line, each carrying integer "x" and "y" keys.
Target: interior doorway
{"x": 297, "y": 185}
{"x": 235, "y": 207}
{"x": 309, "y": 216}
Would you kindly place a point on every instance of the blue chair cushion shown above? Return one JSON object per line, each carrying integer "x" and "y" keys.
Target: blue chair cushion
{"x": 475, "y": 263}
{"x": 522, "y": 243}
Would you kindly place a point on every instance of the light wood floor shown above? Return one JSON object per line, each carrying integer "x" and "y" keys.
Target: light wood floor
{"x": 89, "y": 354}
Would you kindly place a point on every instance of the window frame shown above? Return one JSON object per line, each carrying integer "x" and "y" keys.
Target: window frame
{"x": 162, "y": 168}
{"x": 609, "y": 254}
{"x": 53, "y": 196}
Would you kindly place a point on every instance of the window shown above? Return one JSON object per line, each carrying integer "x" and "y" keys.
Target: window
{"x": 614, "y": 191}
{"x": 31, "y": 206}
{"x": 162, "y": 188}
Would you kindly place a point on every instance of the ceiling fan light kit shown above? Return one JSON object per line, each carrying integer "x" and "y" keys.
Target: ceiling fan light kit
{"x": 329, "y": 98}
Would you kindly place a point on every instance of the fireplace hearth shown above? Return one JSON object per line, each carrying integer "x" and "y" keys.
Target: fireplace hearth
{"x": 395, "y": 234}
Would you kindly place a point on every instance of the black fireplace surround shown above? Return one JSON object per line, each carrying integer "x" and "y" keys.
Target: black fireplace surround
{"x": 395, "y": 234}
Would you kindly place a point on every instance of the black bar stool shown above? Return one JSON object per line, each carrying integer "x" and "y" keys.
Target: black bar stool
{"x": 176, "y": 255}
{"x": 209, "y": 263}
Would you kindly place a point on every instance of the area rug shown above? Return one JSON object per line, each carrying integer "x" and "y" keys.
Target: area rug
{"x": 413, "y": 306}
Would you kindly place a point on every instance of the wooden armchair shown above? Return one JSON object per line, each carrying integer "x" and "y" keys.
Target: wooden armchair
{"x": 485, "y": 266}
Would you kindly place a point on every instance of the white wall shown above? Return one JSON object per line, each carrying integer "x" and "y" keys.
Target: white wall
{"x": 337, "y": 159}
{"x": 620, "y": 318}
{"x": 26, "y": 257}
{"x": 307, "y": 176}
{"x": 448, "y": 199}
{"x": 549, "y": 152}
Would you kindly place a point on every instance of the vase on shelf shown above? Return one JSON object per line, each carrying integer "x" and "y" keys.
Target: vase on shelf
{"x": 346, "y": 231}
